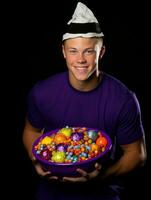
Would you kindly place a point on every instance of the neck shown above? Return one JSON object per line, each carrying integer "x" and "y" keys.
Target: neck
{"x": 88, "y": 84}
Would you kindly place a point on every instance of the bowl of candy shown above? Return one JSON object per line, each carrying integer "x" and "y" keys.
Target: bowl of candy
{"x": 63, "y": 150}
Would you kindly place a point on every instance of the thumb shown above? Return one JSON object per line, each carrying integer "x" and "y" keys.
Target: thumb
{"x": 98, "y": 166}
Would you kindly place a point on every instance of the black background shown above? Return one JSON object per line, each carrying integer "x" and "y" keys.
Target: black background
{"x": 32, "y": 44}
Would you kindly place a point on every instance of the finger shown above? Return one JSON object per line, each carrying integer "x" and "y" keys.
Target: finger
{"x": 68, "y": 179}
{"x": 41, "y": 171}
{"x": 82, "y": 172}
{"x": 98, "y": 166}
{"x": 53, "y": 178}
{"x": 34, "y": 160}
{"x": 73, "y": 180}
{"x": 96, "y": 172}
{"x": 48, "y": 175}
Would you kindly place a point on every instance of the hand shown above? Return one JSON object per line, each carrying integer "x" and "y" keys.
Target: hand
{"x": 84, "y": 175}
{"x": 41, "y": 172}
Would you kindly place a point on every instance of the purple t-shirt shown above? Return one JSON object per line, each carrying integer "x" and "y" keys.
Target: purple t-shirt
{"x": 111, "y": 107}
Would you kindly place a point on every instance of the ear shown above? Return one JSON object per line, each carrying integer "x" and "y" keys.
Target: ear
{"x": 63, "y": 51}
{"x": 102, "y": 51}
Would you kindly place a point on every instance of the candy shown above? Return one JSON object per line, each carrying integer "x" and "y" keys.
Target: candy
{"x": 101, "y": 141}
{"x": 58, "y": 156}
{"x": 92, "y": 134}
{"x": 71, "y": 144}
{"x": 66, "y": 131}
{"x": 77, "y": 136}
{"x": 45, "y": 154}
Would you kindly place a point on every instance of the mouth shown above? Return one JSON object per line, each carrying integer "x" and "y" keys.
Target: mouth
{"x": 81, "y": 70}
{"x": 81, "y": 67}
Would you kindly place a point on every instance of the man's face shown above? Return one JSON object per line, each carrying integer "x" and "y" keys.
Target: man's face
{"x": 81, "y": 56}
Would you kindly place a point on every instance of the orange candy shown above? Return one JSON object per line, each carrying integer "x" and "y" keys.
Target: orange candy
{"x": 59, "y": 138}
{"x": 101, "y": 141}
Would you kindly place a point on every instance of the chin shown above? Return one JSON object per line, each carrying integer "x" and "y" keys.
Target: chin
{"x": 82, "y": 78}
{"x": 85, "y": 77}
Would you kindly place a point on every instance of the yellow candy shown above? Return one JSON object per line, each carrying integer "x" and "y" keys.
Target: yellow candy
{"x": 94, "y": 147}
{"x": 59, "y": 156}
{"x": 66, "y": 131}
{"x": 47, "y": 140}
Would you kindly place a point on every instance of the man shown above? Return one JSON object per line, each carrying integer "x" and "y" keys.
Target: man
{"x": 87, "y": 97}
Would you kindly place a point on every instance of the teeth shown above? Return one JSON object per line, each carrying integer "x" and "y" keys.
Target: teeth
{"x": 81, "y": 67}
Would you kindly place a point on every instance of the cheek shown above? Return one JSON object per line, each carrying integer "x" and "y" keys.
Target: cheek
{"x": 70, "y": 59}
{"x": 92, "y": 60}
{"x": 69, "y": 62}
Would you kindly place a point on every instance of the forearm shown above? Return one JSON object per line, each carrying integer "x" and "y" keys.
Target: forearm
{"x": 132, "y": 158}
{"x": 126, "y": 164}
{"x": 30, "y": 134}
{"x": 28, "y": 140}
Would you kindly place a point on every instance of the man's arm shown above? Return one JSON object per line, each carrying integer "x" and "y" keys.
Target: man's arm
{"x": 30, "y": 134}
{"x": 134, "y": 156}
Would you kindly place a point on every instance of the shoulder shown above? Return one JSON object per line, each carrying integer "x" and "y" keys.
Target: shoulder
{"x": 114, "y": 82}
{"x": 52, "y": 80}
{"x": 115, "y": 87}
{"x": 51, "y": 83}
{"x": 48, "y": 88}
{"x": 118, "y": 94}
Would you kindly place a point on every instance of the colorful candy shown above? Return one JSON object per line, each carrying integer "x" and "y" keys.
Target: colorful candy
{"x": 71, "y": 144}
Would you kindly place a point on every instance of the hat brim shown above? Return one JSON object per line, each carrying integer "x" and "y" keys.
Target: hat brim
{"x": 85, "y": 35}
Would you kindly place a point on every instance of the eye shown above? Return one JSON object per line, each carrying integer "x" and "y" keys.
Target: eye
{"x": 89, "y": 51}
{"x": 73, "y": 51}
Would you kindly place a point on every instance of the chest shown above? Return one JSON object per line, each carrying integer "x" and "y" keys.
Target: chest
{"x": 92, "y": 111}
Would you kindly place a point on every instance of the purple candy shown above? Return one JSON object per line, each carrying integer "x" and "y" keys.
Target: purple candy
{"x": 45, "y": 154}
{"x": 77, "y": 136}
{"x": 61, "y": 147}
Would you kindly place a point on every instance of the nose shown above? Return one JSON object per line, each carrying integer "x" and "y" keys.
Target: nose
{"x": 81, "y": 58}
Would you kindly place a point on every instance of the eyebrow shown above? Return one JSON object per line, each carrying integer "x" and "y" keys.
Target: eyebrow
{"x": 89, "y": 48}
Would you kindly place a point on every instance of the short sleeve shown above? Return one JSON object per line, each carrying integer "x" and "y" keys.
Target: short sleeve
{"x": 33, "y": 113}
{"x": 130, "y": 126}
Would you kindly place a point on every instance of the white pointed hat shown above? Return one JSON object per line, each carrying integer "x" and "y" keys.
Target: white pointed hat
{"x": 82, "y": 24}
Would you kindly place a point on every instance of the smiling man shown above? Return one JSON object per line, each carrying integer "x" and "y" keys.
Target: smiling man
{"x": 81, "y": 56}
{"x": 84, "y": 96}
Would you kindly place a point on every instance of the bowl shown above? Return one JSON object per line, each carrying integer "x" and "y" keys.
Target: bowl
{"x": 63, "y": 150}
